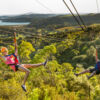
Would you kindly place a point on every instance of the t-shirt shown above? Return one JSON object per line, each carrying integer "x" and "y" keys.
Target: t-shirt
{"x": 11, "y": 60}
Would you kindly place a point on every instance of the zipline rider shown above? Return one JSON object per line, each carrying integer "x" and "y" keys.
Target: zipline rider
{"x": 13, "y": 62}
{"x": 93, "y": 71}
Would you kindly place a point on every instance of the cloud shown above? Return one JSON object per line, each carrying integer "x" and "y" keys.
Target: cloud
{"x": 57, "y": 6}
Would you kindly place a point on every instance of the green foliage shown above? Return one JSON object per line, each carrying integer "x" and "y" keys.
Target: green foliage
{"x": 9, "y": 90}
{"x": 80, "y": 58}
{"x": 25, "y": 49}
{"x": 34, "y": 95}
{"x": 74, "y": 52}
{"x": 11, "y": 49}
{"x": 67, "y": 66}
{"x": 44, "y": 53}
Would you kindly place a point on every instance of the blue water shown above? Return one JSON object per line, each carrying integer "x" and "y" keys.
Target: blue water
{"x": 13, "y": 23}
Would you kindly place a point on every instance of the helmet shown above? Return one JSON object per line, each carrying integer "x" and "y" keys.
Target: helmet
{"x": 4, "y": 49}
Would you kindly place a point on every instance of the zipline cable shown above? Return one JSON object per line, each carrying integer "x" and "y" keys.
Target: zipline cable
{"x": 78, "y": 14}
{"x": 44, "y": 6}
{"x": 97, "y": 6}
{"x": 79, "y": 24}
{"x": 73, "y": 15}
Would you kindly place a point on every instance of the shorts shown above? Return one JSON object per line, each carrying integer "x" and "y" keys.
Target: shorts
{"x": 93, "y": 69}
{"x": 16, "y": 67}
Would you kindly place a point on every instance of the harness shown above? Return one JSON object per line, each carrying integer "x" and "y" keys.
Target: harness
{"x": 16, "y": 61}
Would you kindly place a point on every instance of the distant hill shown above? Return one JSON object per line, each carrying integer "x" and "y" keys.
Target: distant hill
{"x": 25, "y": 17}
{"x": 51, "y": 21}
{"x": 65, "y": 20}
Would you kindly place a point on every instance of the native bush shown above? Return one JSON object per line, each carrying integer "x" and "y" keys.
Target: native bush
{"x": 25, "y": 49}
{"x": 43, "y": 54}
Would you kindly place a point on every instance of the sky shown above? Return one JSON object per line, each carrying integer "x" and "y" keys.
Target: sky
{"x": 13, "y": 7}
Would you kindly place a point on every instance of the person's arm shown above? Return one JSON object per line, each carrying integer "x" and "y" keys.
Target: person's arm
{"x": 96, "y": 57}
{"x": 15, "y": 44}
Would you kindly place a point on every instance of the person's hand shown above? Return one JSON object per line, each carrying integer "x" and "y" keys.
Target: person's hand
{"x": 14, "y": 40}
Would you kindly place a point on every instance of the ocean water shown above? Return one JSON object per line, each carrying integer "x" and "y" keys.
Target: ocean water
{"x": 13, "y": 23}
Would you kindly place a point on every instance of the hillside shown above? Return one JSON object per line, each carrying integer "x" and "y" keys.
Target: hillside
{"x": 65, "y": 20}
{"x": 25, "y": 17}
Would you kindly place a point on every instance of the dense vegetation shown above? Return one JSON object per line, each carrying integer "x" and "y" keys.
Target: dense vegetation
{"x": 64, "y": 20}
{"x": 69, "y": 51}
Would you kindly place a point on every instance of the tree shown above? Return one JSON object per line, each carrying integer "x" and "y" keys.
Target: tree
{"x": 44, "y": 53}
{"x": 25, "y": 49}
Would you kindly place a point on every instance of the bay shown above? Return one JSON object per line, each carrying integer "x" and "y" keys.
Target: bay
{"x": 13, "y": 23}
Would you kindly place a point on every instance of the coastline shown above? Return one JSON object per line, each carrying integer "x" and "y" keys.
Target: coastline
{"x": 13, "y": 23}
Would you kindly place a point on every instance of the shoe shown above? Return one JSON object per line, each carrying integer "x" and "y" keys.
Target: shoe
{"x": 87, "y": 77}
{"x": 75, "y": 74}
{"x": 45, "y": 63}
{"x": 24, "y": 87}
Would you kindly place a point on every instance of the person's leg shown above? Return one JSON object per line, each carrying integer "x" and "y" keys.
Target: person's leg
{"x": 34, "y": 65}
{"x": 92, "y": 74}
{"x": 31, "y": 65}
{"x": 27, "y": 71}
{"x": 86, "y": 71}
